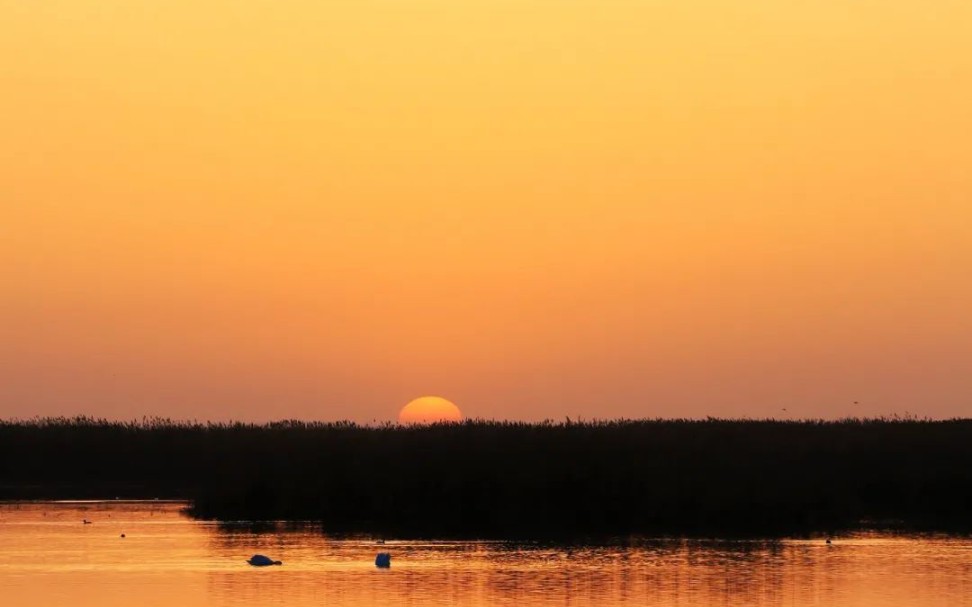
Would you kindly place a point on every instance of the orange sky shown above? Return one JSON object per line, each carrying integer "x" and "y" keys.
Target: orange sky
{"x": 323, "y": 209}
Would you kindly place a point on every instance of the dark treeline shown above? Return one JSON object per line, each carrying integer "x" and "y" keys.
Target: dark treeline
{"x": 515, "y": 480}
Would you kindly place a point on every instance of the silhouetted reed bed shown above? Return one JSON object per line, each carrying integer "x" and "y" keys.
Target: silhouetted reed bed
{"x": 515, "y": 480}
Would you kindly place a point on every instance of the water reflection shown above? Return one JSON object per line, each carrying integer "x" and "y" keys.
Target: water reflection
{"x": 47, "y": 557}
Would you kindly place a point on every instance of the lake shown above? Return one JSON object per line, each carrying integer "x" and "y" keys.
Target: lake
{"x": 49, "y": 557}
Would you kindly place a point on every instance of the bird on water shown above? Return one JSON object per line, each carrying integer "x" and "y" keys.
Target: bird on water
{"x": 259, "y": 560}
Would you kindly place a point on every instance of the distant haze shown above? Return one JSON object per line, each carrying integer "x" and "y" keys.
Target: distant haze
{"x": 214, "y": 209}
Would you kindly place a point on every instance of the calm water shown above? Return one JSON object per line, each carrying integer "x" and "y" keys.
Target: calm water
{"x": 48, "y": 557}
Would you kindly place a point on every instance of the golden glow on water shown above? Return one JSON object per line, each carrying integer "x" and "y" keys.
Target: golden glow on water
{"x": 49, "y": 558}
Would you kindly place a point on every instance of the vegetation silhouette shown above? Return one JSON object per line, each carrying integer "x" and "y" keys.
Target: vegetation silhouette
{"x": 512, "y": 480}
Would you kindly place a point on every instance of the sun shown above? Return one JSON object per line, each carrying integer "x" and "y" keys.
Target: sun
{"x": 429, "y": 410}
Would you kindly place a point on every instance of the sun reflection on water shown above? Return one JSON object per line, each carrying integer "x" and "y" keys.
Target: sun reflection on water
{"x": 49, "y": 557}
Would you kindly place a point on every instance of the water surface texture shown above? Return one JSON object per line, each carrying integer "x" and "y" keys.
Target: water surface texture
{"x": 49, "y": 557}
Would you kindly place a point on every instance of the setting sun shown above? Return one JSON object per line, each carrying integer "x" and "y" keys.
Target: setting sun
{"x": 429, "y": 410}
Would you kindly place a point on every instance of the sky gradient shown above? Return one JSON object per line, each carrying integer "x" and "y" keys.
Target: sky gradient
{"x": 537, "y": 209}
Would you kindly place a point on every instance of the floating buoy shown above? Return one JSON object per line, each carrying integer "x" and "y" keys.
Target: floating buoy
{"x": 829, "y": 542}
{"x": 383, "y": 560}
{"x": 258, "y": 560}
{"x": 123, "y": 535}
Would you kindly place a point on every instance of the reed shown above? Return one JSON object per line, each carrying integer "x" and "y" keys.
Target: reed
{"x": 515, "y": 480}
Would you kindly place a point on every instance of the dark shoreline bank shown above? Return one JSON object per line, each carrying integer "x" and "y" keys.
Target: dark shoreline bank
{"x": 739, "y": 478}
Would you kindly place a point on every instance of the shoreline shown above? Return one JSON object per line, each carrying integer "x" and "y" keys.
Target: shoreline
{"x": 882, "y": 529}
